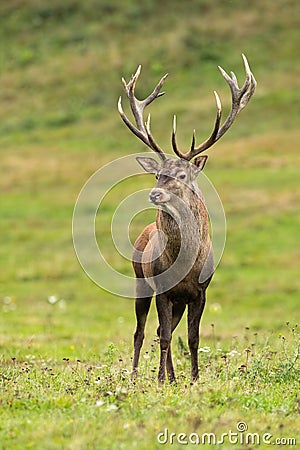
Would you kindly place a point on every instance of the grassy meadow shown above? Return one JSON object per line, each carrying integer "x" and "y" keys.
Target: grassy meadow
{"x": 66, "y": 344}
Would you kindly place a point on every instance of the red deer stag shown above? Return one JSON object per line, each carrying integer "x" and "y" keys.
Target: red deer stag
{"x": 173, "y": 256}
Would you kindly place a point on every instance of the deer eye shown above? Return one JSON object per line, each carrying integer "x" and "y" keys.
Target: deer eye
{"x": 157, "y": 176}
{"x": 182, "y": 176}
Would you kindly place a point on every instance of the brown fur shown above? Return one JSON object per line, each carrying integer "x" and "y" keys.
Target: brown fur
{"x": 153, "y": 254}
{"x": 185, "y": 199}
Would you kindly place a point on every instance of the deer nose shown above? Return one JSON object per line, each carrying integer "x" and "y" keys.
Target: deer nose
{"x": 159, "y": 196}
{"x": 154, "y": 196}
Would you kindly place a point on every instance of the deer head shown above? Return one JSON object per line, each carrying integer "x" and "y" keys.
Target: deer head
{"x": 173, "y": 174}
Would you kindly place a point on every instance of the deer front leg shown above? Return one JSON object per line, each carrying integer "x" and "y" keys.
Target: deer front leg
{"x": 142, "y": 306}
{"x": 164, "y": 310}
{"x": 195, "y": 310}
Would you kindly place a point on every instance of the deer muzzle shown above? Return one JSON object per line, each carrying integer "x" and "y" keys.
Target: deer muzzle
{"x": 158, "y": 196}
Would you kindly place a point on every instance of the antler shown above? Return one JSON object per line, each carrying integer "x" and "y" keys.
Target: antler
{"x": 240, "y": 98}
{"x": 141, "y": 130}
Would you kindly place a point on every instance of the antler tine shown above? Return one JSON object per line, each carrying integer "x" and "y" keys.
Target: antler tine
{"x": 152, "y": 142}
{"x": 141, "y": 130}
{"x": 240, "y": 98}
{"x": 127, "y": 122}
{"x": 193, "y": 141}
{"x": 212, "y": 139}
{"x": 252, "y": 84}
{"x": 130, "y": 86}
{"x": 174, "y": 143}
{"x": 194, "y": 151}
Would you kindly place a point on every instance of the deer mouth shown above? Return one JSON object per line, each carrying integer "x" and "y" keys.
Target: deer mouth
{"x": 159, "y": 196}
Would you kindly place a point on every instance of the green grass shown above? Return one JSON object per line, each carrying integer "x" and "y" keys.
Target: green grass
{"x": 252, "y": 379}
{"x": 64, "y": 375}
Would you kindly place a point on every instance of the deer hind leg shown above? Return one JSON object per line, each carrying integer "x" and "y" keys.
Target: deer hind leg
{"x": 177, "y": 313}
{"x": 169, "y": 361}
{"x": 195, "y": 310}
{"x": 142, "y": 305}
{"x": 169, "y": 317}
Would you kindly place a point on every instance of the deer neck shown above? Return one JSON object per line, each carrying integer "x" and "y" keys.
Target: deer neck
{"x": 183, "y": 223}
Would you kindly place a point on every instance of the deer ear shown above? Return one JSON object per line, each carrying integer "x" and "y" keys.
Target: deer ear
{"x": 200, "y": 161}
{"x": 148, "y": 164}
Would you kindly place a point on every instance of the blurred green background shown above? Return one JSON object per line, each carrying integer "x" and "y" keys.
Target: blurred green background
{"x": 65, "y": 343}
{"x": 60, "y": 77}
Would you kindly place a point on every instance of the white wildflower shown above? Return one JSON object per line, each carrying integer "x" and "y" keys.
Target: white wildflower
{"x": 204, "y": 349}
{"x": 112, "y": 407}
{"x": 100, "y": 403}
{"x": 215, "y": 308}
{"x": 52, "y": 299}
